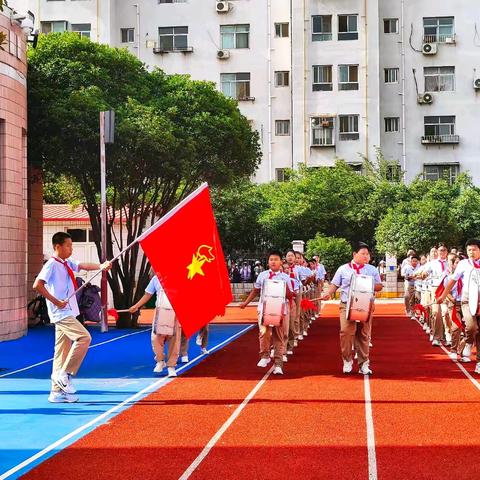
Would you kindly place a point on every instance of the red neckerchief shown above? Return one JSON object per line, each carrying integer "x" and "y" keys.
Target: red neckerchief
{"x": 459, "y": 287}
{"x": 271, "y": 274}
{"x": 69, "y": 270}
{"x": 442, "y": 263}
{"x": 356, "y": 267}
{"x": 475, "y": 264}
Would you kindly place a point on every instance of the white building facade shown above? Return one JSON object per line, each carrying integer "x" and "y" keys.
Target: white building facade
{"x": 318, "y": 79}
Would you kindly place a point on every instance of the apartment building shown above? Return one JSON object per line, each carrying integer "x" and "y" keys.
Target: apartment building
{"x": 319, "y": 79}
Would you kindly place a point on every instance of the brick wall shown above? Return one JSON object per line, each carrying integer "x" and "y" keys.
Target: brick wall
{"x": 13, "y": 178}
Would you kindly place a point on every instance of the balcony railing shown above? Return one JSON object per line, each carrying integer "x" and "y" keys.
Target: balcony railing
{"x": 445, "y": 139}
{"x": 349, "y": 136}
{"x": 348, "y": 86}
{"x": 437, "y": 38}
{"x": 173, "y": 50}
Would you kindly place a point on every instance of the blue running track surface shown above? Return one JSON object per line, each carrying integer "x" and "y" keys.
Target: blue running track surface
{"x": 116, "y": 373}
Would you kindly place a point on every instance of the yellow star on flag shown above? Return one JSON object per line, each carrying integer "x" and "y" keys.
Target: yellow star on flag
{"x": 195, "y": 267}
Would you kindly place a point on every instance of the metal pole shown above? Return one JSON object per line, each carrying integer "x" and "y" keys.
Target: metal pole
{"x": 103, "y": 194}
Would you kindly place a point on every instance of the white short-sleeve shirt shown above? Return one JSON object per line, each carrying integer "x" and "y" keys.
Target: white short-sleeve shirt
{"x": 343, "y": 277}
{"x": 60, "y": 285}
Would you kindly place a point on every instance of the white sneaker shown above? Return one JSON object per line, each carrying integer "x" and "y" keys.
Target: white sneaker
{"x": 365, "y": 369}
{"x": 289, "y": 352}
{"x": 172, "y": 372}
{"x": 452, "y": 355}
{"x": 198, "y": 340}
{"x": 278, "y": 371}
{"x": 263, "y": 362}
{"x": 370, "y": 344}
{"x": 356, "y": 356}
{"x": 300, "y": 337}
{"x": 204, "y": 351}
{"x": 313, "y": 318}
{"x": 159, "y": 367}
{"x": 425, "y": 327}
{"x": 295, "y": 343}
{"x": 465, "y": 359}
{"x": 431, "y": 337}
{"x": 62, "y": 397}
{"x": 62, "y": 379}
{"x": 347, "y": 366}
{"x": 413, "y": 317}
{"x": 436, "y": 343}
{"x": 272, "y": 353}
{"x": 448, "y": 338}
{"x": 305, "y": 333}
{"x": 427, "y": 331}
{"x": 284, "y": 359}
{"x": 477, "y": 368}
{"x": 467, "y": 350}
{"x": 184, "y": 359}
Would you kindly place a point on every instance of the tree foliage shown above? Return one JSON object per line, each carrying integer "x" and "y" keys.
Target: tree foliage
{"x": 333, "y": 251}
{"x": 172, "y": 133}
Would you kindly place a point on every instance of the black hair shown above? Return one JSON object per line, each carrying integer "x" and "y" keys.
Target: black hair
{"x": 359, "y": 245}
{"x": 472, "y": 241}
{"x": 288, "y": 251}
{"x": 275, "y": 253}
{"x": 414, "y": 256}
{"x": 59, "y": 238}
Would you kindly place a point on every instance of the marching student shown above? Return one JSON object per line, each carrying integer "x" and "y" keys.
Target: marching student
{"x": 461, "y": 274}
{"x": 158, "y": 340}
{"x": 56, "y": 282}
{"x": 435, "y": 271}
{"x": 184, "y": 344}
{"x": 294, "y": 324}
{"x": 409, "y": 273}
{"x": 266, "y": 333}
{"x": 320, "y": 274}
{"x": 295, "y": 285}
{"x": 353, "y": 333}
{"x": 454, "y": 305}
{"x": 304, "y": 275}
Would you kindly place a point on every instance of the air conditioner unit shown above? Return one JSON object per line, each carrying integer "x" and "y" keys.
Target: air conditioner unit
{"x": 476, "y": 84}
{"x": 222, "y": 54}
{"x": 429, "y": 48}
{"x": 223, "y": 7}
{"x": 450, "y": 40}
{"x": 425, "y": 98}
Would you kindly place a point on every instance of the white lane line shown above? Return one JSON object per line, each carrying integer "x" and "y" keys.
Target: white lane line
{"x": 460, "y": 366}
{"x": 372, "y": 456}
{"x": 193, "y": 466}
{"x": 91, "y": 346}
{"x": 136, "y": 396}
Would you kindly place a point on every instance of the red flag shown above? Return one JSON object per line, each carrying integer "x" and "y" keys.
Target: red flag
{"x": 440, "y": 289}
{"x": 185, "y": 252}
{"x": 456, "y": 320}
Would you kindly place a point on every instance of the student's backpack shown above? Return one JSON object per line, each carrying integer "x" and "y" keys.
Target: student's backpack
{"x": 89, "y": 302}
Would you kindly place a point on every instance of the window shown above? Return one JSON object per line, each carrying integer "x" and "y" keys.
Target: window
{"x": 280, "y": 175}
{"x": 347, "y": 27}
{"x": 323, "y": 131}
{"x": 282, "y": 79}
{"x": 348, "y": 127}
{"x": 390, "y": 25}
{"x": 348, "y": 77}
{"x": 235, "y": 85}
{"x": 440, "y": 129}
{"x": 77, "y": 234}
{"x": 437, "y": 172}
{"x": 391, "y": 75}
{"x": 438, "y": 30}
{"x": 394, "y": 172}
{"x": 439, "y": 79}
{"x": 49, "y": 27}
{"x": 321, "y": 28}
{"x": 322, "y": 78}
{"x": 128, "y": 35}
{"x": 392, "y": 124}
{"x": 234, "y": 36}
{"x": 173, "y": 38}
{"x": 282, "y": 127}
{"x": 357, "y": 168}
{"x": 83, "y": 29}
{"x": 281, "y": 29}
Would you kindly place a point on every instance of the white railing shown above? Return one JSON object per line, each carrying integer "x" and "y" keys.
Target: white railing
{"x": 440, "y": 139}
{"x": 439, "y": 38}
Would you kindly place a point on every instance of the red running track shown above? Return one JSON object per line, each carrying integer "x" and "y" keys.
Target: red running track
{"x": 309, "y": 424}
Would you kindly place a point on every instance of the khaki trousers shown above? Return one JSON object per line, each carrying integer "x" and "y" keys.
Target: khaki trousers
{"x": 472, "y": 335}
{"x": 354, "y": 334}
{"x": 184, "y": 343}
{"x": 203, "y": 334}
{"x": 173, "y": 345}
{"x": 71, "y": 344}
{"x": 437, "y": 317}
{"x": 275, "y": 336}
{"x": 455, "y": 330}
{"x": 409, "y": 299}
{"x": 293, "y": 325}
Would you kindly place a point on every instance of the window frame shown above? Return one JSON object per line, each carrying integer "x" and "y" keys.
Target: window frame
{"x": 345, "y": 35}
{"x": 348, "y": 85}
{"x": 279, "y": 29}
{"x": 353, "y": 125}
{"x": 285, "y": 75}
{"x": 387, "y": 71}
{"x": 437, "y": 37}
{"x": 441, "y": 78}
{"x": 387, "y": 21}
{"x": 390, "y": 123}
{"x": 322, "y": 86}
{"x": 282, "y": 128}
{"x": 237, "y": 83}
{"x": 174, "y": 36}
{"x": 127, "y": 30}
{"x": 235, "y": 36}
{"x": 321, "y": 35}
{"x": 325, "y": 135}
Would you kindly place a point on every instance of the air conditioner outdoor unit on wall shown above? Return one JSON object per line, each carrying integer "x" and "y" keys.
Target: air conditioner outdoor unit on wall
{"x": 223, "y": 7}
{"x": 222, "y": 54}
{"x": 429, "y": 48}
{"x": 476, "y": 84}
{"x": 425, "y": 98}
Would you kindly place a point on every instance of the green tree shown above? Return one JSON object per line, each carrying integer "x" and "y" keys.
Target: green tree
{"x": 166, "y": 143}
{"x": 333, "y": 251}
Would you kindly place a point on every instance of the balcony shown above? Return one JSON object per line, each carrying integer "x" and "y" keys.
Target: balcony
{"x": 348, "y": 86}
{"x": 440, "y": 139}
{"x": 439, "y": 38}
{"x": 163, "y": 50}
{"x": 349, "y": 136}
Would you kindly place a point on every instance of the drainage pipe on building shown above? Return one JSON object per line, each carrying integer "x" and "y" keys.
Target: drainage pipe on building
{"x": 366, "y": 76}
{"x": 269, "y": 66}
{"x": 404, "y": 126}
{"x": 137, "y": 7}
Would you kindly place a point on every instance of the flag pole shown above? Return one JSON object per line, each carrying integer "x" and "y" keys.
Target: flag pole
{"x": 159, "y": 222}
